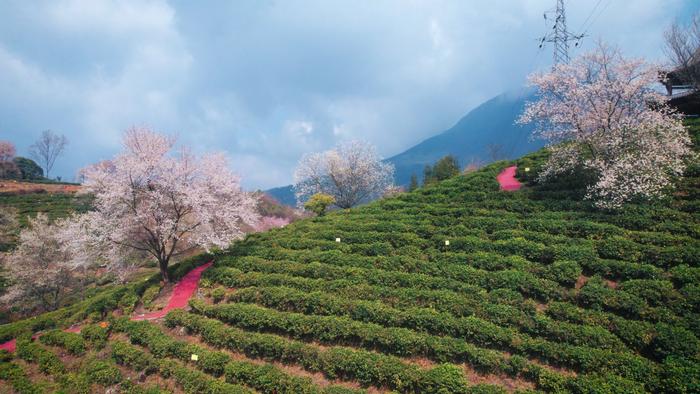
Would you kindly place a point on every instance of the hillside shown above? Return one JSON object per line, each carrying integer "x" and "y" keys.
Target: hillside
{"x": 535, "y": 291}
{"x": 27, "y": 199}
{"x": 491, "y": 123}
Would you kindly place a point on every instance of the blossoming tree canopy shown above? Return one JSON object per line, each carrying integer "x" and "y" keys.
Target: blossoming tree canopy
{"x": 152, "y": 199}
{"x": 7, "y": 151}
{"x": 41, "y": 267}
{"x": 601, "y": 113}
{"x": 351, "y": 173}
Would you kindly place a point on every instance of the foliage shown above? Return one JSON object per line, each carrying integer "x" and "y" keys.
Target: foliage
{"x": 351, "y": 172}
{"x": 319, "y": 203}
{"x": 7, "y": 151}
{"x": 445, "y": 168}
{"x": 413, "y": 185}
{"x": 600, "y": 114}
{"x": 28, "y": 168}
{"x": 42, "y": 268}
{"x": 72, "y": 342}
{"x": 174, "y": 203}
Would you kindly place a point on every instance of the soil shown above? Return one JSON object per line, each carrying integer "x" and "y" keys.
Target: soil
{"x": 12, "y": 186}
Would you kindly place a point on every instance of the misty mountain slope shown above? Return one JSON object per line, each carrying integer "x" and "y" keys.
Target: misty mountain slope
{"x": 492, "y": 122}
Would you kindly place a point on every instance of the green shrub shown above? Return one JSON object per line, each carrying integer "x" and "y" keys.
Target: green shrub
{"x": 445, "y": 378}
{"x": 103, "y": 373}
{"x": 150, "y": 295}
{"x": 218, "y": 294}
{"x": 564, "y": 272}
{"x": 75, "y": 383}
{"x": 72, "y": 342}
{"x": 674, "y": 341}
{"x": 48, "y": 362}
{"x": 18, "y": 378}
{"x": 619, "y": 248}
{"x": 593, "y": 384}
{"x": 95, "y": 335}
{"x": 679, "y": 375}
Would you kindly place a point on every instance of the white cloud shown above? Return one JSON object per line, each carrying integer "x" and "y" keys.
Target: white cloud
{"x": 269, "y": 81}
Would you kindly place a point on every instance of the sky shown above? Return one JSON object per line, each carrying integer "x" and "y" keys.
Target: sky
{"x": 266, "y": 81}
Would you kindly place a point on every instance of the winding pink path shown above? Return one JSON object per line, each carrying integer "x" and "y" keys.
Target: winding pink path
{"x": 182, "y": 293}
{"x": 507, "y": 179}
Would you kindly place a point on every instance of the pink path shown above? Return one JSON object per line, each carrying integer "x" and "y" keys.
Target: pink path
{"x": 10, "y": 345}
{"x": 507, "y": 179}
{"x": 182, "y": 293}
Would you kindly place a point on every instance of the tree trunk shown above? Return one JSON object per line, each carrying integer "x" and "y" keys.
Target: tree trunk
{"x": 163, "y": 264}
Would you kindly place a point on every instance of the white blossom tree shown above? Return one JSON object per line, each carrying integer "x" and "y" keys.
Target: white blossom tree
{"x": 7, "y": 151}
{"x": 351, "y": 172}
{"x": 601, "y": 113}
{"x": 150, "y": 199}
{"x": 269, "y": 222}
{"x": 41, "y": 268}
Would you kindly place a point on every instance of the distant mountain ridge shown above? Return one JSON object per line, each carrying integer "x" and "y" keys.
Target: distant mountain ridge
{"x": 491, "y": 123}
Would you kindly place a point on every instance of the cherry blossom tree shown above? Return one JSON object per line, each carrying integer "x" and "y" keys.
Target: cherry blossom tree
{"x": 153, "y": 200}
{"x": 351, "y": 172}
{"x": 41, "y": 268}
{"x": 269, "y": 222}
{"x": 7, "y": 151}
{"x": 8, "y": 169}
{"x": 600, "y": 113}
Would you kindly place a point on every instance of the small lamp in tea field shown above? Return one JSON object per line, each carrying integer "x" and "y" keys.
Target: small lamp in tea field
{"x": 527, "y": 169}
{"x": 337, "y": 240}
{"x": 194, "y": 357}
{"x": 447, "y": 242}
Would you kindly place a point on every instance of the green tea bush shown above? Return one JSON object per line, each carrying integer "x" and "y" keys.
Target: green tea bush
{"x": 103, "y": 373}
{"x": 18, "y": 379}
{"x": 564, "y": 272}
{"x": 95, "y": 335}
{"x": 72, "y": 342}
{"x": 48, "y": 362}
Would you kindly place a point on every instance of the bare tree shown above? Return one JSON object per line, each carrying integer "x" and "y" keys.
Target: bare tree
{"x": 682, "y": 43}
{"x": 47, "y": 149}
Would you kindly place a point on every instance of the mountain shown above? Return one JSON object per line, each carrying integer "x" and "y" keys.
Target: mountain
{"x": 491, "y": 123}
{"x": 283, "y": 194}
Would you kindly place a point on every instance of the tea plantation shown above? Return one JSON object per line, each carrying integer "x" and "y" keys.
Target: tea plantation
{"x": 54, "y": 205}
{"x": 535, "y": 291}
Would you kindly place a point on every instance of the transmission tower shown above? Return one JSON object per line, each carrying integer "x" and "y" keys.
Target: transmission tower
{"x": 559, "y": 35}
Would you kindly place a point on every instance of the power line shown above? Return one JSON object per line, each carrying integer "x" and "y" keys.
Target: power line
{"x": 602, "y": 10}
{"x": 589, "y": 15}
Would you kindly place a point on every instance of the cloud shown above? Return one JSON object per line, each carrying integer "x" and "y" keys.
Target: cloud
{"x": 267, "y": 81}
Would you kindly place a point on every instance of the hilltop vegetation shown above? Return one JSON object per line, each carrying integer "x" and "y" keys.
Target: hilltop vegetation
{"x": 535, "y": 291}
{"x": 24, "y": 205}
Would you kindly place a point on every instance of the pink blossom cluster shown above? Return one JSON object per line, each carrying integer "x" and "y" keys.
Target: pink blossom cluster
{"x": 153, "y": 199}
{"x": 602, "y": 113}
{"x": 269, "y": 222}
{"x": 7, "y": 151}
